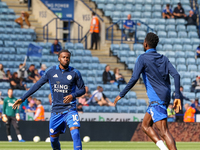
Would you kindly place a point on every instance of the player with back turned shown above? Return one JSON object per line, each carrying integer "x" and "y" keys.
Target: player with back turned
{"x": 63, "y": 80}
{"x": 155, "y": 69}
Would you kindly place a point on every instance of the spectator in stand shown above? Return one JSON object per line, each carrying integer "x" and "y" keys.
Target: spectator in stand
{"x": 97, "y": 98}
{"x": 2, "y": 74}
{"x": 22, "y": 73}
{"x": 16, "y": 83}
{"x": 80, "y": 108}
{"x": 197, "y": 52}
{"x": 87, "y": 93}
{"x": 109, "y": 103}
{"x": 56, "y": 48}
{"x": 179, "y": 115}
{"x": 39, "y": 113}
{"x": 195, "y": 85}
{"x": 167, "y": 12}
{"x": 170, "y": 113}
{"x": 191, "y": 18}
{"x": 82, "y": 100}
{"x": 107, "y": 76}
{"x": 42, "y": 69}
{"x": 196, "y": 106}
{"x": 37, "y": 74}
{"x": 23, "y": 106}
{"x": 23, "y": 20}
{"x": 31, "y": 74}
{"x": 118, "y": 77}
{"x": 189, "y": 114}
{"x": 129, "y": 30}
{"x": 179, "y": 12}
{"x": 31, "y": 107}
{"x": 94, "y": 30}
{"x": 8, "y": 74}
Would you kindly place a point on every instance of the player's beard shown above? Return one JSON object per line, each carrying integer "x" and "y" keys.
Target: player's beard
{"x": 145, "y": 50}
{"x": 65, "y": 65}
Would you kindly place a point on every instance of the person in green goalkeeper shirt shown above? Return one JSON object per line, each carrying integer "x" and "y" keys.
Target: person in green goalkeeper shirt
{"x": 170, "y": 113}
{"x": 11, "y": 116}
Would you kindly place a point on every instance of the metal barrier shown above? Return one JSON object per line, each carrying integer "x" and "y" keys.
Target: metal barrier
{"x": 120, "y": 23}
{"x": 46, "y": 28}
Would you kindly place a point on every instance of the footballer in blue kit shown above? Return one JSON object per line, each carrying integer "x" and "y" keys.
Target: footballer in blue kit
{"x": 155, "y": 69}
{"x": 63, "y": 80}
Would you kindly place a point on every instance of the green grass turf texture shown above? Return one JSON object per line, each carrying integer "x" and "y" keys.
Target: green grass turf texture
{"x": 96, "y": 146}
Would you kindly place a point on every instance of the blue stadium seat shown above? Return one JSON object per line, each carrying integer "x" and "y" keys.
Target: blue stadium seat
{"x": 170, "y": 28}
{"x": 138, "y": 47}
{"x": 172, "y": 60}
{"x": 78, "y": 46}
{"x": 167, "y": 47}
{"x": 177, "y": 47}
{"x": 195, "y": 41}
{"x": 141, "y": 35}
{"x": 180, "y": 22}
{"x": 162, "y": 34}
{"x": 181, "y": 68}
{"x": 186, "y": 81}
{"x": 182, "y": 34}
{"x": 147, "y": 8}
{"x": 190, "y": 95}
{"x": 191, "y": 28}
{"x": 190, "y": 54}
{"x": 157, "y": 8}
{"x": 138, "y": 7}
{"x": 180, "y": 61}
{"x": 159, "y": 47}
{"x": 192, "y": 68}
{"x": 176, "y": 41}
{"x": 180, "y": 54}
{"x": 156, "y": 15}
{"x": 141, "y": 109}
{"x": 193, "y": 34}
{"x": 160, "y": 28}
{"x": 141, "y": 102}
{"x": 124, "y": 47}
{"x": 172, "y": 34}
{"x": 186, "y": 41}
{"x": 170, "y": 54}
{"x": 190, "y": 61}
{"x": 180, "y": 28}
{"x": 157, "y": 2}
{"x": 122, "y": 109}
{"x": 170, "y": 22}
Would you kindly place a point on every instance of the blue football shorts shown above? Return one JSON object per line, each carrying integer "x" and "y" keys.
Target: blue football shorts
{"x": 157, "y": 112}
{"x": 58, "y": 122}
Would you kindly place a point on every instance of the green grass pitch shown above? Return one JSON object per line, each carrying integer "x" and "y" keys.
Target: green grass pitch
{"x": 96, "y": 146}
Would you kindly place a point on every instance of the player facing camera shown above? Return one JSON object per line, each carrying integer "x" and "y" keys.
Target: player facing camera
{"x": 64, "y": 58}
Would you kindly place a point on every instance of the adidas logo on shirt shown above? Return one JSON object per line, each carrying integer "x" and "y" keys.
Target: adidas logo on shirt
{"x": 75, "y": 123}
{"x": 55, "y": 76}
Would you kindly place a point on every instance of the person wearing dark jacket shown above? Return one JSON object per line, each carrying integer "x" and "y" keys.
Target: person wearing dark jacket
{"x": 179, "y": 115}
{"x": 191, "y": 18}
{"x": 56, "y": 48}
{"x": 107, "y": 76}
{"x": 195, "y": 85}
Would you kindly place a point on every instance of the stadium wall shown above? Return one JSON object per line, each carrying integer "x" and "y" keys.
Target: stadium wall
{"x": 97, "y": 131}
{"x": 44, "y": 15}
{"x": 182, "y": 132}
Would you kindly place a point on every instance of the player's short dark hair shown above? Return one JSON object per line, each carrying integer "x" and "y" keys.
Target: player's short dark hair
{"x": 64, "y": 50}
{"x": 93, "y": 13}
{"x": 152, "y": 40}
{"x": 168, "y": 5}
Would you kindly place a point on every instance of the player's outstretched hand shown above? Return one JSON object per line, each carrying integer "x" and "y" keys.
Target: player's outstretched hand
{"x": 177, "y": 105}
{"x": 68, "y": 99}
{"x": 117, "y": 99}
{"x": 4, "y": 118}
{"x": 17, "y": 103}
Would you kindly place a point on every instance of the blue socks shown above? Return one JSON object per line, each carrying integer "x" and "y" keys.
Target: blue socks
{"x": 55, "y": 144}
{"x": 76, "y": 139}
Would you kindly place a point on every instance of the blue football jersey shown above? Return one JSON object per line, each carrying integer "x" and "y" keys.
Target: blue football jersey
{"x": 62, "y": 83}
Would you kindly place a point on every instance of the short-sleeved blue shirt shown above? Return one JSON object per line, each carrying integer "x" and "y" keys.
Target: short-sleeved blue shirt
{"x": 129, "y": 23}
{"x": 165, "y": 11}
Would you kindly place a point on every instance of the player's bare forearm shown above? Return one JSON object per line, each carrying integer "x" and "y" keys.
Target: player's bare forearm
{"x": 68, "y": 99}
{"x": 117, "y": 99}
{"x": 17, "y": 103}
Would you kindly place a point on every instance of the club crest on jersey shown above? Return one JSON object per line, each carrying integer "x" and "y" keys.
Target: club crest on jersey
{"x": 51, "y": 130}
{"x": 69, "y": 77}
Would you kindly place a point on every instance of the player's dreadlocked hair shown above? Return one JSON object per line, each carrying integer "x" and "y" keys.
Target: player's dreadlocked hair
{"x": 64, "y": 50}
{"x": 152, "y": 40}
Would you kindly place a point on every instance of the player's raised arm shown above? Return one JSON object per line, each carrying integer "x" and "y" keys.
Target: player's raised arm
{"x": 173, "y": 72}
{"x": 135, "y": 76}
